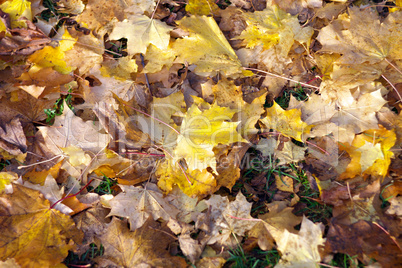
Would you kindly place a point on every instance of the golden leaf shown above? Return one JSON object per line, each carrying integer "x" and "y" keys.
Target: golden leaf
{"x": 138, "y": 249}
{"x": 206, "y": 47}
{"x": 289, "y": 122}
{"x": 32, "y": 233}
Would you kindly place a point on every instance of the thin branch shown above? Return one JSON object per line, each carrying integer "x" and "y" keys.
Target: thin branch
{"x": 38, "y": 163}
{"x": 396, "y": 91}
{"x": 68, "y": 196}
{"x": 282, "y": 77}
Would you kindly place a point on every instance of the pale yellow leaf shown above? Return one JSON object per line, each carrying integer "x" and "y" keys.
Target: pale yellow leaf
{"x": 141, "y": 31}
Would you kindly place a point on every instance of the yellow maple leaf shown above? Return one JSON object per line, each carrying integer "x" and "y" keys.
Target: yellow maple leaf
{"x": 227, "y": 94}
{"x": 119, "y": 69}
{"x": 157, "y": 58}
{"x": 141, "y": 31}
{"x": 32, "y": 233}
{"x": 289, "y": 122}
{"x": 170, "y": 174}
{"x": 369, "y": 153}
{"x": 367, "y": 45}
{"x": 16, "y": 9}
{"x": 201, "y": 130}
{"x": 202, "y": 7}
{"x": 273, "y": 26}
{"x": 206, "y": 47}
{"x": 6, "y": 178}
{"x": 299, "y": 250}
{"x": 54, "y": 56}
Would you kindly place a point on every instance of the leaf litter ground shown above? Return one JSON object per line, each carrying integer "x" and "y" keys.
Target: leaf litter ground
{"x": 200, "y": 133}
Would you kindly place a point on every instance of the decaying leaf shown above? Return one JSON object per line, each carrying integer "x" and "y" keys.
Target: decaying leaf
{"x": 138, "y": 249}
{"x": 12, "y": 138}
{"x": 366, "y": 44}
{"x": 226, "y": 219}
{"x": 300, "y": 250}
{"x": 138, "y": 204}
{"x": 32, "y": 233}
{"x": 364, "y": 238}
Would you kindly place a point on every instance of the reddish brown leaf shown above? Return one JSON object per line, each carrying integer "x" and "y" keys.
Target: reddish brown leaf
{"x": 364, "y": 238}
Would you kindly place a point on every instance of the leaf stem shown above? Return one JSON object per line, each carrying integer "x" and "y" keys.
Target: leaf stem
{"x": 396, "y": 91}
{"x": 64, "y": 198}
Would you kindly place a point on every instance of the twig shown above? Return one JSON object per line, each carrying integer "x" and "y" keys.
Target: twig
{"x": 279, "y": 76}
{"x": 68, "y": 196}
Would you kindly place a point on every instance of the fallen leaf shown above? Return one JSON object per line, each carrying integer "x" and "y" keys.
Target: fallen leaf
{"x": 226, "y": 219}
{"x": 364, "y": 238}
{"x": 32, "y": 233}
{"x": 300, "y": 250}
{"x": 93, "y": 223}
{"x": 39, "y": 177}
{"x": 12, "y": 137}
{"x": 51, "y": 191}
{"x": 287, "y": 122}
{"x": 202, "y": 7}
{"x": 6, "y": 178}
{"x": 395, "y": 207}
{"x": 370, "y": 153}
{"x": 189, "y": 208}
{"x": 54, "y": 56}
{"x": 20, "y": 41}
{"x": 284, "y": 183}
{"x": 99, "y": 13}
{"x": 171, "y": 174}
{"x": 157, "y": 59}
{"x": 138, "y": 249}
{"x": 366, "y": 44}
{"x": 69, "y": 129}
{"x": 271, "y": 27}
{"x": 206, "y": 47}
{"x": 360, "y": 114}
{"x": 280, "y": 216}
{"x": 289, "y": 153}
{"x": 192, "y": 248}
{"x": 120, "y": 69}
{"x": 16, "y": 10}
{"x": 141, "y": 31}
{"x": 200, "y": 131}
{"x": 138, "y": 204}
